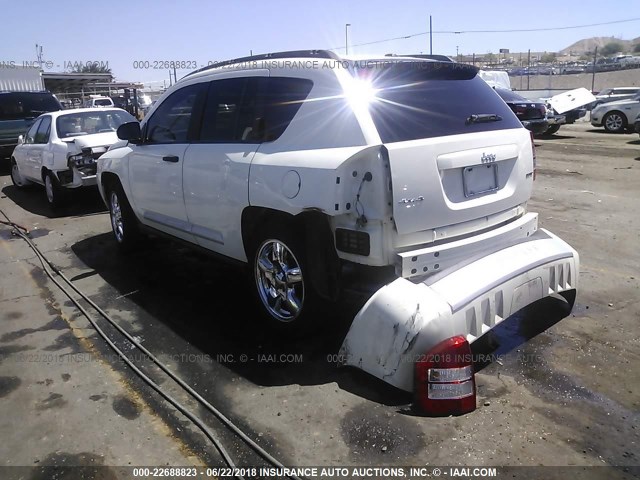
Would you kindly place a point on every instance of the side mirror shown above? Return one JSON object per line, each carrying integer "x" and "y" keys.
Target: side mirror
{"x": 20, "y": 140}
{"x": 130, "y": 131}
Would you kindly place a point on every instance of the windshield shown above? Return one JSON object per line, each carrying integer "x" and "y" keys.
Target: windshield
{"x": 19, "y": 105}
{"x": 88, "y": 123}
{"x": 412, "y": 100}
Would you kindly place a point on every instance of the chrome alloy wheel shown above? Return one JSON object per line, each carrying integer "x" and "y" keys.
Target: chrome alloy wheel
{"x": 614, "y": 122}
{"x": 116, "y": 216}
{"x": 279, "y": 280}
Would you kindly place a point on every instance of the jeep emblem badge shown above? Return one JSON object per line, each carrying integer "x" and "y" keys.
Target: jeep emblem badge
{"x": 488, "y": 158}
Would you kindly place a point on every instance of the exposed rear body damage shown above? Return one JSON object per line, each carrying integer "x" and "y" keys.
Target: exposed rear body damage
{"x": 403, "y": 320}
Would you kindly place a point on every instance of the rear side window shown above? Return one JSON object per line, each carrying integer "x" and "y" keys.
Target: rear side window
{"x": 280, "y": 99}
{"x": 19, "y": 105}
{"x": 170, "y": 123}
{"x": 42, "y": 135}
{"x": 425, "y": 100}
{"x": 252, "y": 109}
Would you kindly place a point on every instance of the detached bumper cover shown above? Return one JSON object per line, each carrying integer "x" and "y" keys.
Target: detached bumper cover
{"x": 403, "y": 320}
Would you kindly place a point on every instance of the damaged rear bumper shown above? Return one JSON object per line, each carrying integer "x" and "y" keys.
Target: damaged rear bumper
{"x": 405, "y": 319}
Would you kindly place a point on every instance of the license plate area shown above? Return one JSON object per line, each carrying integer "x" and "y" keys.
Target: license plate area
{"x": 480, "y": 179}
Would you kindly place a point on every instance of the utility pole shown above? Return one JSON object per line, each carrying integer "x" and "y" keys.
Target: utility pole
{"x": 528, "y": 67}
{"x": 430, "y": 37}
{"x": 593, "y": 75}
{"x": 39, "y": 55}
{"x": 346, "y": 38}
{"x": 170, "y": 82}
{"x": 175, "y": 79}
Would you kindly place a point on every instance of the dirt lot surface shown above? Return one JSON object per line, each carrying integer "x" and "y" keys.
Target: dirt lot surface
{"x": 560, "y": 391}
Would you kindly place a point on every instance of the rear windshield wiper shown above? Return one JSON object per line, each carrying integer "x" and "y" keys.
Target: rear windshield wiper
{"x": 483, "y": 118}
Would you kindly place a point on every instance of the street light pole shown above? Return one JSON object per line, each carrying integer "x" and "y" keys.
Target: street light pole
{"x": 430, "y": 37}
{"x": 346, "y": 38}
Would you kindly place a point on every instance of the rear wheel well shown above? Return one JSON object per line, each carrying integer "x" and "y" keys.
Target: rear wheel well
{"x": 314, "y": 228}
{"x": 625, "y": 120}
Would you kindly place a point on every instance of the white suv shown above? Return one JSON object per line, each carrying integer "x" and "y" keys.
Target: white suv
{"x": 304, "y": 164}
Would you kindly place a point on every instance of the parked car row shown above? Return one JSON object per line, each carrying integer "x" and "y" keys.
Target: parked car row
{"x": 602, "y": 65}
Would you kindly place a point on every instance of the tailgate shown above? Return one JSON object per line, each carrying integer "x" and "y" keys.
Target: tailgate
{"x": 448, "y": 180}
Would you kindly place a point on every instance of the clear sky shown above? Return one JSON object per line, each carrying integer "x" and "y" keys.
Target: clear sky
{"x": 121, "y": 32}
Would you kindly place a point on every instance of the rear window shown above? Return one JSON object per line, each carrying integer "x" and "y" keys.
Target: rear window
{"x": 103, "y": 102}
{"x": 19, "y": 105}
{"x": 431, "y": 99}
{"x": 510, "y": 96}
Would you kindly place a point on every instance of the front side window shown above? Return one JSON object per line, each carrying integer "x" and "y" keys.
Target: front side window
{"x": 31, "y": 134}
{"x": 171, "y": 121}
{"x": 42, "y": 135}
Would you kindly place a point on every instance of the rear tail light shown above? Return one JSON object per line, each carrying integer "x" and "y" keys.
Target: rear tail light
{"x": 444, "y": 382}
{"x": 533, "y": 151}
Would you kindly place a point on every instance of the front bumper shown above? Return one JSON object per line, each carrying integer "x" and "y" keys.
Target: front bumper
{"x": 403, "y": 320}
{"x": 596, "y": 119}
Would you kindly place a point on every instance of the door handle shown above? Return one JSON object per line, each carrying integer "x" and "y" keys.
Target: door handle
{"x": 170, "y": 158}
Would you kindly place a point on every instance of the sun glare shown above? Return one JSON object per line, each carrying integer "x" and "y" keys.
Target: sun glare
{"x": 360, "y": 93}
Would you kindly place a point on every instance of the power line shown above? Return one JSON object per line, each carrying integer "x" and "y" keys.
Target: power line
{"x": 548, "y": 29}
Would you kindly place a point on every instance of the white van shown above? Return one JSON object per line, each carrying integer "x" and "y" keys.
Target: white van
{"x": 98, "y": 102}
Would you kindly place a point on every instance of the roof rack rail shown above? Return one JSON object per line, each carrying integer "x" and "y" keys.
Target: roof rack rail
{"x": 270, "y": 56}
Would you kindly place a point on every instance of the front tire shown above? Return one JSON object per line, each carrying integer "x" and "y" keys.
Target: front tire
{"x": 614, "y": 122}
{"x": 16, "y": 176}
{"x": 124, "y": 223}
{"x": 281, "y": 283}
